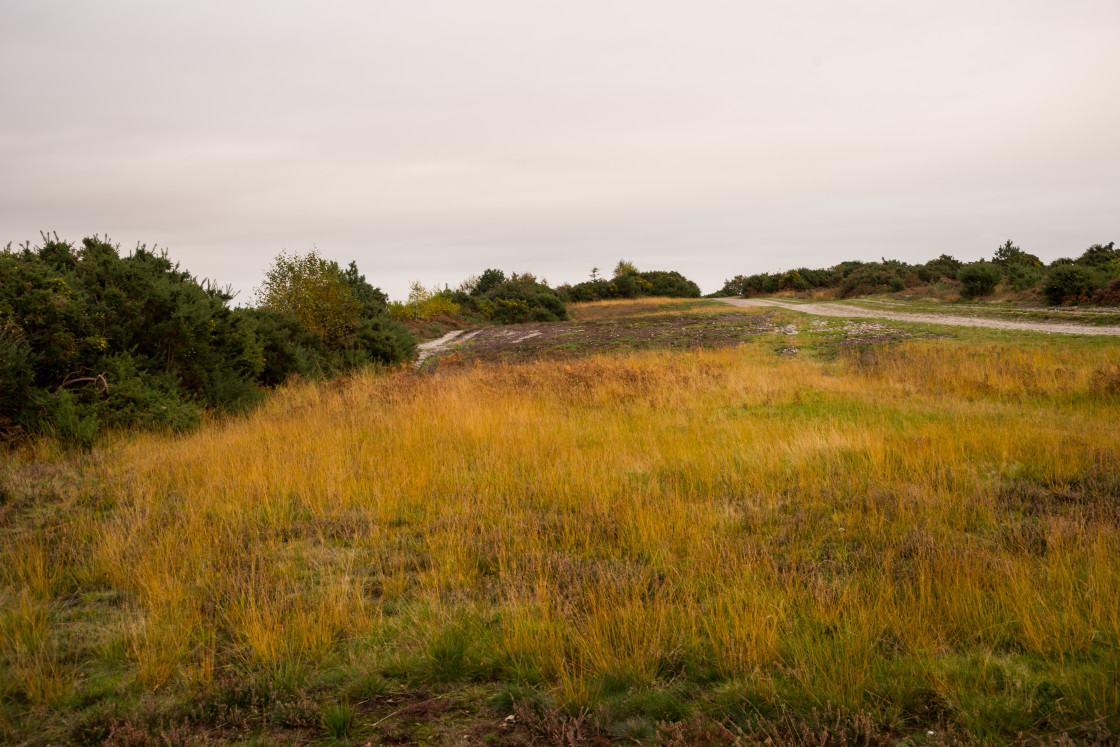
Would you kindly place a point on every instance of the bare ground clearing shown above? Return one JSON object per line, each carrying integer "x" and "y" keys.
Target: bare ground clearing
{"x": 520, "y": 342}
{"x": 561, "y": 339}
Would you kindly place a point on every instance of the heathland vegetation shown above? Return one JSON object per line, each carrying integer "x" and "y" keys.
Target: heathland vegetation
{"x": 92, "y": 340}
{"x": 1092, "y": 278}
{"x": 659, "y": 522}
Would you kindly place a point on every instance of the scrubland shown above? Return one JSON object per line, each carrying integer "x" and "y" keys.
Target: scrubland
{"x": 913, "y": 542}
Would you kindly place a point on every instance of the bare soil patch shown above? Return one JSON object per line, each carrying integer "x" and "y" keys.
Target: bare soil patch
{"x": 588, "y": 337}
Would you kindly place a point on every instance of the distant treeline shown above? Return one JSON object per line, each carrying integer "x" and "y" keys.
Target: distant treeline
{"x": 629, "y": 282}
{"x": 1092, "y": 278}
{"x": 498, "y": 298}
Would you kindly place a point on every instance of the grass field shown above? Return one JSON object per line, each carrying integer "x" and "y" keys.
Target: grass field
{"x": 897, "y": 540}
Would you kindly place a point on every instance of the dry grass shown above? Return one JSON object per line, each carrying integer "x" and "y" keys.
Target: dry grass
{"x": 929, "y": 533}
{"x": 629, "y": 307}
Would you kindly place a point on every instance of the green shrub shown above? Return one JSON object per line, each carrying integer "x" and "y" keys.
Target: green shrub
{"x": 64, "y": 417}
{"x": 979, "y": 279}
{"x": 1067, "y": 283}
{"x": 628, "y": 282}
{"x": 93, "y": 339}
{"x": 1023, "y": 277}
{"x": 792, "y": 280}
{"x": 670, "y": 284}
{"x": 424, "y": 304}
{"x": 944, "y": 266}
{"x": 520, "y": 299}
{"x": 90, "y": 339}
{"x": 1101, "y": 256}
{"x": 1010, "y": 255}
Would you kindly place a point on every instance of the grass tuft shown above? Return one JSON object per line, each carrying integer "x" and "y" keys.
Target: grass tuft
{"x": 338, "y": 721}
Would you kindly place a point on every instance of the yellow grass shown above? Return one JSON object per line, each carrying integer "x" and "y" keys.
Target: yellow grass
{"x": 796, "y": 524}
{"x": 624, "y": 307}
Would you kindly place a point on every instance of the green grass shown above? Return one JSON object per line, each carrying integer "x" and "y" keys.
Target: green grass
{"x": 1090, "y": 316}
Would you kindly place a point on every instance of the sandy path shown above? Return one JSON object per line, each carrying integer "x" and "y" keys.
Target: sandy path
{"x": 850, "y": 312}
{"x": 452, "y": 339}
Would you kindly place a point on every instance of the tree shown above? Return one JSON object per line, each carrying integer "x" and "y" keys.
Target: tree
{"x": 373, "y": 300}
{"x": 1100, "y": 255}
{"x": 488, "y": 281}
{"x": 317, "y": 293}
{"x": 1010, "y": 255}
{"x": 625, "y": 267}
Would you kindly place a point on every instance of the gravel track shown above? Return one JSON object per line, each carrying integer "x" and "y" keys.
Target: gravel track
{"x": 850, "y": 312}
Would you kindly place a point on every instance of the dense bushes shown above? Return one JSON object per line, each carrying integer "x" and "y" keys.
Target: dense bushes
{"x": 1067, "y": 282}
{"x": 847, "y": 278}
{"x": 1094, "y": 277}
{"x": 512, "y": 300}
{"x": 978, "y": 279}
{"x": 629, "y": 282}
{"x": 1088, "y": 279}
{"x": 90, "y": 339}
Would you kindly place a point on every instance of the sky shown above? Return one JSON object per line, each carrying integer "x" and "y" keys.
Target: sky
{"x": 429, "y": 140}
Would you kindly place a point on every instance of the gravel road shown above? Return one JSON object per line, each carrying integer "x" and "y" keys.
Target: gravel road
{"x": 852, "y": 312}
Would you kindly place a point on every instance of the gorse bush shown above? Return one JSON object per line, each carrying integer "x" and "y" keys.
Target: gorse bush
{"x": 94, "y": 339}
{"x": 978, "y": 279}
{"x": 522, "y": 298}
{"x": 513, "y": 299}
{"x": 90, "y": 339}
{"x": 1068, "y": 283}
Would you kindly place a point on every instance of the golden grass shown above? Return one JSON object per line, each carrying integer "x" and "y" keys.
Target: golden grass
{"x": 646, "y": 306}
{"x": 913, "y": 526}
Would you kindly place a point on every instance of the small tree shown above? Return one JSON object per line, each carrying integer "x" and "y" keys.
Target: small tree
{"x": 1100, "y": 255}
{"x": 315, "y": 291}
{"x": 1012, "y": 258}
{"x": 373, "y": 300}
{"x": 488, "y": 281}
{"x": 625, "y": 267}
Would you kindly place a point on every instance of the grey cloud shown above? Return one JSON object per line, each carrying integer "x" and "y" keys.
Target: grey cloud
{"x": 429, "y": 140}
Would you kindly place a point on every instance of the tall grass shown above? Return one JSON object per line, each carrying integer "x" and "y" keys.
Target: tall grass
{"x": 931, "y": 530}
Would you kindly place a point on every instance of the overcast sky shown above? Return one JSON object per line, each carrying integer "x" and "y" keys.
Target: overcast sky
{"x": 431, "y": 140}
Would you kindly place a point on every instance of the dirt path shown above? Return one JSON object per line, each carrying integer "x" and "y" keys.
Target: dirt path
{"x": 427, "y": 349}
{"x": 849, "y": 312}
